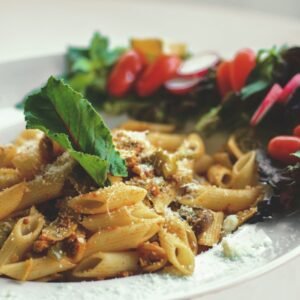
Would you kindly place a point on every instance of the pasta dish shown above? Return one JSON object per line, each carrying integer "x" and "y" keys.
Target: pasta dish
{"x": 176, "y": 202}
{"x": 79, "y": 201}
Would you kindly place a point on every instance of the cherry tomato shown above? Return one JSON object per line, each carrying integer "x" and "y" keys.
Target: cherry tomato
{"x": 125, "y": 73}
{"x": 223, "y": 78}
{"x": 156, "y": 74}
{"x": 242, "y": 65}
{"x": 296, "y": 131}
{"x": 281, "y": 148}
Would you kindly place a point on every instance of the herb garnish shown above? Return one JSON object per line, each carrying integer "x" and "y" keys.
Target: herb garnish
{"x": 88, "y": 68}
{"x": 70, "y": 120}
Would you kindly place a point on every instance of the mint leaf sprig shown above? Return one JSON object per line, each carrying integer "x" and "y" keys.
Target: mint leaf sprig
{"x": 70, "y": 120}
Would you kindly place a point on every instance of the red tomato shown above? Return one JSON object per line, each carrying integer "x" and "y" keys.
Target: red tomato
{"x": 281, "y": 148}
{"x": 156, "y": 74}
{"x": 125, "y": 73}
{"x": 223, "y": 78}
{"x": 296, "y": 131}
{"x": 242, "y": 65}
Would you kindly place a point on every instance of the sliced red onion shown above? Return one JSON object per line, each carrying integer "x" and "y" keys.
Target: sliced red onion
{"x": 271, "y": 98}
{"x": 198, "y": 65}
{"x": 181, "y": 86}
{"x": 289, "y": 89}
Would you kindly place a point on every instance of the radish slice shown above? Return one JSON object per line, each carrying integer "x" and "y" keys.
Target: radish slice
{"x": 289, "y": 89}
{"x": 271, "y": 98}
{"x": 181, "y": 86}
{"x": 198, "y": 65}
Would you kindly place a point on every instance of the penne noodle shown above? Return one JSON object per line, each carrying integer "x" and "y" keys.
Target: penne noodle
{"x": 244, "y": 171}
{"x": 184, "y": 171}
{"x": 152, "y": 257}
{"x": 223, "y": 159}
{"x": 178, "y": 253}
{"x": 104, "y": 265}
{"x": 166, "y": 141}
{"x": 9, "y": 177}
{"x": 233, "y": 147}
{"x": 21, "y": 238}
{"x": 11, "y": 198}
{"x": 245, "y": 215}
{"x": 114, "y": 179}
{"x": 49, "y": 184}
{"x": 107, "y": 199}
{"x": 212, "y": 234}
{"x": 53, "y": 277}
{"x": 33, "y": 151}
{"x": 28, "y": 135}
{"x": 6, "y": 156}
{"x": 203, "y": 163}
{"x": 134, "y": 125}
{"x": 183, "y": 231}
{"x": 219, "y": 175}
{"x": 126, "y": 215}
{"x": 192, "y": 147}
{"x": 35, "y": 268}
{"x": 220, "y": 199}
{"x": 164, "y": 199}
{"x": 122, "y": 238}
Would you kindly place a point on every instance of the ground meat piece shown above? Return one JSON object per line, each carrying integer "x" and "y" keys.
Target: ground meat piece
{"x": 199, "y": 219}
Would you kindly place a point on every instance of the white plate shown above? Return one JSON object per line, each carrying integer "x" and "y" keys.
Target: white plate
{"x": 202, "y": 27}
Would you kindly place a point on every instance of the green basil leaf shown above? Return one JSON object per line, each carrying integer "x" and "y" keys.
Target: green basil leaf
{"x": 69, "y": 119}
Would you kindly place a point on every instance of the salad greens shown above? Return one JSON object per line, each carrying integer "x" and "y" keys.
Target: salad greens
{"x": 284, "y": 183}
{"x": 70, "y": 120}
{"x": 88, "y": 67}
{"x": 237, "y": 108}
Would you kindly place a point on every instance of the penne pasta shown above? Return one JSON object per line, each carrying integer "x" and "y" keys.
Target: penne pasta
{"x": 6, "y": 156}
{"x": 9, "y": 177}
{"x": 192, "y": 147}
{"x": 33, "y": 151}
{"x": 107, "y": 199}
{"x": 233, "y": 147}
{"x": 35, "y": 268}
{"x": 203, "y": 163}
{"x": 49, "y": 183}
{"x": 219, "y": 175}
{"x": 212, "y": 234}
{"x": 152, "y": 257}
{"x": 166, "y": 141}
{"x": 134, "y": 125}
{"x": 126, "y": 215}
{"x": 111, "y": 240}
{"x": 28, "y": 135}
{"x": 223, "y": 159}
{"x": 164, "y": 199}
{"x": 245, "y": 215}
{"x": 179, "y": 254}
{"x": 102, "y": 265}
{"x": 11, "y": 198}
{"x": 183, "y": 231}
{"x": 244, "y": 172}
{"x": 220, "y": 199}
{"x": 21, "y": 238}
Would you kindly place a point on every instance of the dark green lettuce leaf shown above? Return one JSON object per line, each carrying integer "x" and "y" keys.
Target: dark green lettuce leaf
{"x": 88, "y": 68}
{"x": 66, "y": 117}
